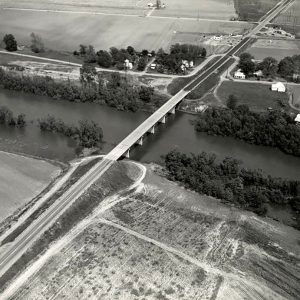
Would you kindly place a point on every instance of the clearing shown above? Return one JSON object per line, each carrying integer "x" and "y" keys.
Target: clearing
{"x": 163, "y": 242}
{"x": 21, "y": 179}
{"x": 258, "y": 97}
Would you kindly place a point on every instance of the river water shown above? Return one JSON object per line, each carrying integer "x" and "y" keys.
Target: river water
{"x": 177, "y": 133}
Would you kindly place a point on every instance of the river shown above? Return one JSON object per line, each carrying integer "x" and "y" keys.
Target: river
{"x": 176, "y": 133}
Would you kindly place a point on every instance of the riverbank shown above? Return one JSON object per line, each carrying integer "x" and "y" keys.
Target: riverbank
{"x": 177, "y": 133}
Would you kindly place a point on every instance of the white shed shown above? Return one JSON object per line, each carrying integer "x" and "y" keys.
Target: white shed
{"x": 278, "y": 87}
{"x": 297, "y": 120}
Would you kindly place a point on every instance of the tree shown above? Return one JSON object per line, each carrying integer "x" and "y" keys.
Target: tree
{"x": 145, "y": 52}
{"x": 286, "y": 67}
{"x": 10, "y": 43}
{"x": 246, "y": 64}
{"x": 82, "y": 50}
{"x": 88, "y": 75}
{"x": 37, "y": 44}
{"x": 131, "y": 50}
{"x": 232, "y": 102}
{"x": 142, "y": 64}
{"x": 146, "y": 93}
{"x": 104, "y": 59}
{"x": 90, "y": 54}
{"x": 269, "y": 66}
{"x": 21, "y": 122}
{"x": 90, "y": 134}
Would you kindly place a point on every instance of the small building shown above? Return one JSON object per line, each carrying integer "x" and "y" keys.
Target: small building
{"x": 217, "y": 37}
{"x": 296, "y": 76}
{"x": 258, "y": 73}
{"x": 278, "y": 87}
{"x": 297, "y": 119}
{"x": 191, "y": 64}
{"x": 185, "y": 63}
{"x": 239, "y": 75}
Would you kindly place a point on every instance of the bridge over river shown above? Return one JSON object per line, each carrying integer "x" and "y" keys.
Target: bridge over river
{"x": 26, "y": 239}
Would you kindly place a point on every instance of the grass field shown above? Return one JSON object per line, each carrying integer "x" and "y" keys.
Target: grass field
{"x": 276, "y": 48}
{"x": 295, "y": 90}
{"x": 257, "y": 96}
{"x": 208, "y": 9}
{"x": 105, "y": 31}
{"x": 21, "y": 179}
{"x": 163, "y": 242}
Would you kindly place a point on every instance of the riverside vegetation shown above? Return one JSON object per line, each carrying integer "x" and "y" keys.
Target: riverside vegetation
{"x": 228, "y": 181}
{"x": 273, "y": 128}
{"x": 113, "y": 90}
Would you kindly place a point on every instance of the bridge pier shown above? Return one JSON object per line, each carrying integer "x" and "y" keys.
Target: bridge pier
{"x": 152, "y": 130}
{"x": 127, "y": 154}
{"x": 172, "y": 111}
{"x": 140, "y": 141}
{"x": 163, "y": 120}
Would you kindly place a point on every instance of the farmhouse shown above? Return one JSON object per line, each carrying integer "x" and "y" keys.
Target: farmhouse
{"x": 239, "y": 75}
{"x": 278, "y": 87}
{"x": 297, "y": 119}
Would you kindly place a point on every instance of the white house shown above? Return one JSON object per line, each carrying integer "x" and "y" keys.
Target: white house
{"x": 297, "y": 120}
{"x": 239, "y": 75}
{"x": 278, "y": 87}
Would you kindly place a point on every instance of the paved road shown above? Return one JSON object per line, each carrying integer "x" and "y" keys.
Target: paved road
{"x": 14, "y": 251}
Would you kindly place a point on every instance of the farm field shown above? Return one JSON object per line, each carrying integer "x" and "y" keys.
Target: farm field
{"x": 257, "y": 96}
{"x": 289, "y": 19}
{"x": 105, "y": 31}
{"x": 163, "y": 242}
{"x": 134, "y": 7}
{"x": 253, "y": 10}
{"x": 276, "y": 48}
{"x": 207, "y": 9}
{"x": 21, "y": 179}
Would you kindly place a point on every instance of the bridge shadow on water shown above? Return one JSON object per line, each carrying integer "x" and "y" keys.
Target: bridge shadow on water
{"x": 150, "y": 140}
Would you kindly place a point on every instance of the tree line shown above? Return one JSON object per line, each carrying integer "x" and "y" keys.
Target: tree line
{"x": 273, "y": 128}
{"x": 88, "y": 134}
{"x": 229, "y": 181}
{"x": 270, "y": 67}
{"x": 114, "y": 57}
{"x": 113, "y": 90}
{"x": 36, "y": 46}
{"x": 7, "y": 118}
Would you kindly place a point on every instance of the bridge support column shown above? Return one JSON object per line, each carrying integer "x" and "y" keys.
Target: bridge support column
{"x": 152, "y": 130}
{"x": 163, "y": 120}
{"x": 140, "y": 141}
{"x": 172, "y": 111}
{"x": 127, "y": 154}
